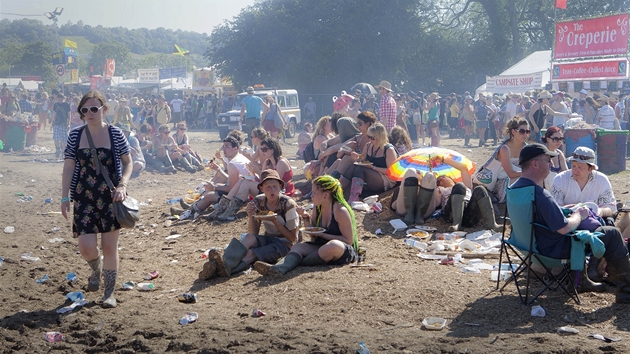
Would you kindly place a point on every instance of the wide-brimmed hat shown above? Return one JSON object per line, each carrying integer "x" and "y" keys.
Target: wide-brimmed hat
{"x": 544, "y": 94}
{"x": 270, "y": 174}
{"x": 584, "y": 155}
{"x": 603, "y": 99}
{"x": 384, "y": 84}
{"x": 468, "y": 98}
{"x": 434, "y": 96}
{"x": 531, "y": 151}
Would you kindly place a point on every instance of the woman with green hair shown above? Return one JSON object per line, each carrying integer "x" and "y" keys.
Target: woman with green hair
{"x": 337, "y": 245}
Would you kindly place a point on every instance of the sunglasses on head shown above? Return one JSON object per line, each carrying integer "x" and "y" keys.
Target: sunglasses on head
{"x": 264, "y": 149}
{"x": 93, "y": 109}
{"x": 523, "y": 131}
{"x": 370, "y": 137}
{"x": 556, "y": 139}
{"x": 581, "y": 157}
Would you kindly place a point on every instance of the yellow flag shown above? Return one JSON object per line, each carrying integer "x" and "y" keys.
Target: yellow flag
{"x": 69, "y": 44}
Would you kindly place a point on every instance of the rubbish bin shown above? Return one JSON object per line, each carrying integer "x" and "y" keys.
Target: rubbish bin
{"x": 611, "y": 150}
{"x": 579, "y": 137}
{"x": 15, "y": 138}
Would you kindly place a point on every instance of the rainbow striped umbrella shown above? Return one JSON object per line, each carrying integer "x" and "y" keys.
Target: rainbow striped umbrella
{"x": 430, "y": 160}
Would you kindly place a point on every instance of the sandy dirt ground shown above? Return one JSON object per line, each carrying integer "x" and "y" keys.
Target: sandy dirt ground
{"x": 310, "y": 310}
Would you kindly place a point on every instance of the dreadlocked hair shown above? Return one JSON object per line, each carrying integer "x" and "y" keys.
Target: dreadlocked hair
{"x": 331, "y": 184}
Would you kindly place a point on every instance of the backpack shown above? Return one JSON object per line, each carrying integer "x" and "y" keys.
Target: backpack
{"x": 309, "y": 153}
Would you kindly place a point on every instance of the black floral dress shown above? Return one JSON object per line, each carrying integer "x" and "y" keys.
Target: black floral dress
{"x": 93, "y": 201}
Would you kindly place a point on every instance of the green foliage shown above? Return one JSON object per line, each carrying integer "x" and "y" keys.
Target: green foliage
{"x": 27, "y": 59}
{"x": 112, "y": 50}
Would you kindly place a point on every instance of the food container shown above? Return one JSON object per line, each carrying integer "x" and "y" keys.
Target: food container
{"x": 434, "y": 323}
{"x": 398, "y": 225}
{"x": 417, "y": 233}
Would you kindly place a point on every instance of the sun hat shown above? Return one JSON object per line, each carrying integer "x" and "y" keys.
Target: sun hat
{"x": 270, "y": 174}
{"x": 584, "y": 155}
{"x": 531, "y": 151}
{"x": 434, "y": 96}
{"x": 385, "y": 84}
{"x": 584, "y": 92}
{"x": 544, "y": 94}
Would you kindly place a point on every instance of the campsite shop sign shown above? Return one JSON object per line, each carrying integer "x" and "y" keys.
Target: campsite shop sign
{"x": 149, "y": 76}
{"x": 592, "y": 37}
{"x": 611, "y": 69}
{"x": 513, "y": 83}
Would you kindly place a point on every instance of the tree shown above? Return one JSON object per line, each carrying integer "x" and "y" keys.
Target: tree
{"x": 30, "y": 59}
{"x": 112, "y": 50}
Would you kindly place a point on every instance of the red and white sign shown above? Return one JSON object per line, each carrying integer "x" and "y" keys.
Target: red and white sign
{"x": 513, "y": 83}
{"x": 96, "y": 82}
{"x": 611, "y": 69}
{"x": 111, "y": 67}
{"x": 60, "y": 70}
{"x": 592, "y": 37}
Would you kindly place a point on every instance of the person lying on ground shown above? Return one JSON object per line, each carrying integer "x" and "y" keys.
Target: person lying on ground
{"x": 273, "y": 209}
{"x": 337, "y": 244}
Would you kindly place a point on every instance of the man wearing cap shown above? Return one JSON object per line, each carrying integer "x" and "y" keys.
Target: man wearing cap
{"x": 583, "y": 94}
{"x": 281, "y": 230}
{"x": 558, "y": 105}
{"x": 535, "y": 161}
{"x": 387, "y": 105}
{"x": 250, "y": 111}
{"x": 177, "y": 105}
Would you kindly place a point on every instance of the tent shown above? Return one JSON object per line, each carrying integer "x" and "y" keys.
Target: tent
{"x": 531, "y": 73}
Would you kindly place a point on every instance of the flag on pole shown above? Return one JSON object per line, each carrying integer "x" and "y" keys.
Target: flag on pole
{"x": 111, "y": 68}
{"x": 69, "y": 44}
{"x": 561, "y": 4}
{"x": 180, "y": 51}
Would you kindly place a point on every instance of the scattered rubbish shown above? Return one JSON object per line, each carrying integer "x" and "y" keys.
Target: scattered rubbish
{"x": 129, "y": 285}
{"x": 370, "y": 200}
{"x": 152, "y": 275}
{"x": 72, "y": 306}
{"x": 471, "y": 270}
{"x": 187, "y": 297}
{"x": 361, "y": 254}
{"x": 146, "y": 286}
{"x": 415, "y": 243}
{"x": 9, "y": 230}
{"x": 25, "y": 199}
{"x": 359, "y": 206}
{"x": 538, "y": 311}
{"x": 75, "y": 296}
{"x": 168, "y": 223}
{"x": 1, "y": 261}
{"x": 20, "y": 194}
{"x": 56, "y": 239}
{"x": 378, "y": 232}
{"x": 48, "y": 200}
{"x": 602, "y": 338}
{"x": 29, "y": 257}
{"x": 173, "y": 201}
{"x": 434, "y": 323}
{"x": 188, "y": 318}
{"x": 258, "y": 313}
{"x": 53, "y": 337}
{"x": 173, "y": 236}
{"x": 377, "y": 207}
{"x": 42, "y": 279}
{"x": 55, "y": 229}
{"x": 72, "y": 276}
{"x": 447, "y": 261}
{"x": 363, "y": 349}
{"x": 398, "y": 225}
{"x": 154, "y": 225}
{"x": 567, "y": 330}
{"x": 502, "y": 276}
{"x": 432, "y": 257}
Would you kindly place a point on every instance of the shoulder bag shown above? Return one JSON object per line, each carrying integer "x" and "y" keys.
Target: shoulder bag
{"x": 127, "y": 211}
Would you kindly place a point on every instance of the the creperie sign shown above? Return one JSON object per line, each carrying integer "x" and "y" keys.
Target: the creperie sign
{"x": 593, "y": 37}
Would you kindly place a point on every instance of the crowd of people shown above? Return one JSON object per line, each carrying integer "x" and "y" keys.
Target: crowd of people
{"x": 347, "y": 159}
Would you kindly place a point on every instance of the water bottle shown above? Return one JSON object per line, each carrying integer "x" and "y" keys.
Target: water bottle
{"x": 415, "y": 243}
{"x": 173, "y": 201}
{"x": 146, "y": 286}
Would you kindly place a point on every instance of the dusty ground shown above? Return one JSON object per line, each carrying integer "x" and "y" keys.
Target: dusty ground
{"x": 310, "y": 310}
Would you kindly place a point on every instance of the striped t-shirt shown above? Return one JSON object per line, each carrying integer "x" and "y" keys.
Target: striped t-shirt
{"x": 118, "y": 142}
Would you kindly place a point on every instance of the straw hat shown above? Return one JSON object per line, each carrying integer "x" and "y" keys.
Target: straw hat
{"x": 385, "y": 84}
{"x": 544, "y": 94}
{"x": 434, "y": 96}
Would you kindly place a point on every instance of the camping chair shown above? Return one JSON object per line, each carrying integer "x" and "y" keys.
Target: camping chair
{"x": 521, "y": 210}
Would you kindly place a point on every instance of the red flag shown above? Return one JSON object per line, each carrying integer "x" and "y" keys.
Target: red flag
{"x": 111, "y": 68}
{"x": 561, "y": 4}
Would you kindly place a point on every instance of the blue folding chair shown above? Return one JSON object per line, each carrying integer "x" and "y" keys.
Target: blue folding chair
{"x": 521, "y": 210}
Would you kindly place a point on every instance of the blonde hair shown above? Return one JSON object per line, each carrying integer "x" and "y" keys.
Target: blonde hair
{"x": 378, "y": 131}
{"x": 321, "y": 124}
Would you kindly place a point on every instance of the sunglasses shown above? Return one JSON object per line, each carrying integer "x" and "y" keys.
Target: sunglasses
{"x": 523, "y": 131}
{"x": 581, "y": 157}
{"x": 182, "y": 128}
{"x": 556, "y": 139}
{"x": 264, "y": 149}
{"x": 93, "y": 109}
{"x": 164, "y": 132}
{"x": 371, "y": 137}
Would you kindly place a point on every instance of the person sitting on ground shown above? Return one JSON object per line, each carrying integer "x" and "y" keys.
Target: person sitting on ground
{"x": 553, "y": 140}
{"x": 344, "y": 157}
{"x": 502, "y": 167}
{"x": 336, "y": 245}
{"x": 399, "y": 137}
{"x": 345, "y": 129}
{"x": 184, "y": 148}
{"x": 256, "y": 136}
{"x": 169, "y": 152}
{"x": 551, "y": 240}
{"x": 271, "y": 154}
{"x": 137, "y": 157}
{"x": 278, "y": 213}
{"x": 323, "y": 132}
{"x": 371, "y": 176}
{"x": 304, "y": 139}
{"x": 146, "y": 145}
{"x": 216, "y": 192}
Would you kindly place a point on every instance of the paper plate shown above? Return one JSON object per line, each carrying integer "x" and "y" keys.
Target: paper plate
{"x": 363, "y": 163}
{"x": 313, "y": 230}
{"x": 265, "y": 217}
{"x": 419, "y": 233}
{"x": 426, "y": 228}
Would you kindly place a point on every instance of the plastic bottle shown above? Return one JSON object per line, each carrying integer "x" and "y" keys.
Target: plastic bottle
{"x": 146, "y": 286}
{"x": 173, "y": 201}
{"x": 415, "y": 243}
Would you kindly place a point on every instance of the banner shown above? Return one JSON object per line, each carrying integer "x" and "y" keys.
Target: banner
{"x": 69, "y": 52}
{"x": 513, "y": 83}
{"x": 168, "y": 73}
{"x": 111, "y": 68}
{"x": 611, "y": 69}
{"x": 149, "y": 76}
{"x": 561, "y": 4}
{"x": 202, "y": 80}
{"x": 592, "y": 37}
{"x": 59, "y": 58}
{"x": 69, "y": 44}
{"x": 96, "y": 82}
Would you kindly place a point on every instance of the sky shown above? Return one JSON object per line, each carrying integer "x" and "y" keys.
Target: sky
{"x": 188, "y": 15}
